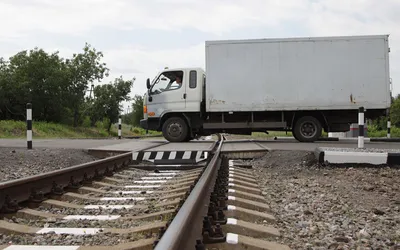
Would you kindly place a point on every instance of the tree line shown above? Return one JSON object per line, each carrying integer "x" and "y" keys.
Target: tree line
{"x": 61, "y": 90}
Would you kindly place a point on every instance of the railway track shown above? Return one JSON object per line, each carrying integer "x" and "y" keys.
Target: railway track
{"x": 112, "y": 204}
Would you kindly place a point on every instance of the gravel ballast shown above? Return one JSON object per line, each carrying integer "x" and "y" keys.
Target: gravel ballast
{"x": 107, "y": 239}
{"x": 331, "y": 207}
{"x": 18, "y": 163}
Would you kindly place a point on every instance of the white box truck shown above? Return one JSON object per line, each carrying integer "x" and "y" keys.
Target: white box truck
{"x": 302, "y": 85}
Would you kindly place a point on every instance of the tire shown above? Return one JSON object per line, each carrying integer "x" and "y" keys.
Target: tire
{"x": 294, "y": 134}
{"x": 307, "y": 129}
{"x": 175, "y": 129}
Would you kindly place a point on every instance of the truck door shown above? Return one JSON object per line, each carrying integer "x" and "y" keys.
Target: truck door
{"x": 168, "y": 94}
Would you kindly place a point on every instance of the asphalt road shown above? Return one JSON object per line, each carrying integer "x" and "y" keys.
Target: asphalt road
{"x": 135, "y": 144}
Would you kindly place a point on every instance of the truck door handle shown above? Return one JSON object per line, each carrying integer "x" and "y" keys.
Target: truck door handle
{"x": 184, "y": 96}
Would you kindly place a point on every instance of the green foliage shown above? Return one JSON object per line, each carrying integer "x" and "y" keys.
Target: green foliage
{"x": 56, "y": 87}
{"x": 17, "y": 129}
{"x": 375, "y": 131}
{"x": 136, "y": 115}
{"x": 83, "y": 69}
{"x": 108, "y": 98}
{"x": 35, "y": 77}
{"x": 381, "y": 122}
{"x": 395, "y": 112}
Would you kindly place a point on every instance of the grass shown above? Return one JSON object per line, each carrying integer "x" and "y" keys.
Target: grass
{"x": 17, "y": 129}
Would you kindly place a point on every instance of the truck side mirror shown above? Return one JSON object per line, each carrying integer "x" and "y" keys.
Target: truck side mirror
{"x": 148, "y": 83}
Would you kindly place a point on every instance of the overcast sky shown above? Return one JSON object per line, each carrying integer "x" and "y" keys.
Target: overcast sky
{"x": 140, "y": 37}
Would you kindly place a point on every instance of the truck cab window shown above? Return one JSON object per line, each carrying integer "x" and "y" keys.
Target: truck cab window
{"x": 193, "y": 79}
{"x": 167, "y": 81}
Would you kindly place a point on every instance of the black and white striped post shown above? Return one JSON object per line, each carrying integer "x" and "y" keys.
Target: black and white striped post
{"x": 29, "y": 125}
{"x": 388, "y": 127}
{"x": 361, "y": 127}
{"x": 119, "y": 127}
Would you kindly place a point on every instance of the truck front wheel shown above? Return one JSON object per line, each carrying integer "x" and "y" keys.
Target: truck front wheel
{"x": 307, "y": 129}
{"x": 175, "y": 129}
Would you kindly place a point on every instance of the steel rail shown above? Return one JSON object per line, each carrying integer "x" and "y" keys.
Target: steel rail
{"x": 187, "y": 225}
{"x": 33, "y": 188}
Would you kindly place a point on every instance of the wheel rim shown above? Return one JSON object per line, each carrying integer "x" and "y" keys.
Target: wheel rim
{"x": 308, "y": 129}
{"x": 175, "y": 129}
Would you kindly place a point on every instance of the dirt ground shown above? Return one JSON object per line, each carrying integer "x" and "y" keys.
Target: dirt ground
{"x": 331, "y": 207}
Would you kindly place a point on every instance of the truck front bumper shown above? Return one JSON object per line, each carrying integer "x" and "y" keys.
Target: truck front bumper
{"x": 144, "y": 123}
{"x": 150, "y": 124}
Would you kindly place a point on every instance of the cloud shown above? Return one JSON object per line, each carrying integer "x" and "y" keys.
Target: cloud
{"x": 126, "y": 61}
{"x": 22, "y": 21}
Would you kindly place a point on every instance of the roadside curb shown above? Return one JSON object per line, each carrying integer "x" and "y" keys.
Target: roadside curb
{"x": 381, "y": 139}
{"x": 356, "y": 156}
{"x": 141, "y": 136}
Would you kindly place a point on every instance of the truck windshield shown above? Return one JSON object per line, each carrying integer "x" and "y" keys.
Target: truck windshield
{"x": 165, "y": 83}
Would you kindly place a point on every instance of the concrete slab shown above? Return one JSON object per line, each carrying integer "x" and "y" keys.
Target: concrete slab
{"x": 346, "y": 139}
{"x": 372, "y": 156}
{"x": 128, "y": 145}
{"x": 298, "y": 146}
{"x": 240, "y": 146}
{"x": 185, "y": 146}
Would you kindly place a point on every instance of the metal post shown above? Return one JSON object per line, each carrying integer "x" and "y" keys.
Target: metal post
{"x": 119, "y": 127}
{"x": 29, "y": 125}
{"x": 388, "y": 127}
{"x": 361, "y": 127}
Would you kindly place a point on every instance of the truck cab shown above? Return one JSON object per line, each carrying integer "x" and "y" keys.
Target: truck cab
{"x": 170, "y": 97}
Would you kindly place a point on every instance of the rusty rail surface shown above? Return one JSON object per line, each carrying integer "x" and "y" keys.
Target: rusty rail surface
{"x": 34, "y": 188}
{"x": 186, "y": 227}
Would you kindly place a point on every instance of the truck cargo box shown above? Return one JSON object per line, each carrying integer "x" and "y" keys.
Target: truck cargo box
{"x": 298, "y": 74}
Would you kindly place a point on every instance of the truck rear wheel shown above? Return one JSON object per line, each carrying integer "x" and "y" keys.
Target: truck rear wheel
{"x": 175, "y": 129}
{"x": 307, "y": 129}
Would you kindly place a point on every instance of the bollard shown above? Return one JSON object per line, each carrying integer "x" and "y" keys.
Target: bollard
{"x": 361, "y": 127}
{"x": 119, "y": 127}
{"x": 29, "y": 125}
{"x": 388, "y": 127}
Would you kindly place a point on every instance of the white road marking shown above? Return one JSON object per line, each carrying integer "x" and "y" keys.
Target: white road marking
{"x": 230, "y": 207}
{"x": 122, "y": 198}
{"x": 91, "y": 217}
{"x": 231, "y": 221}
{"x": 159, "y": 155}
{"x": 157, "y": 178}
{"x": 108, "y": 207}
{"x": 132, "y": 192}
{"x": 69, "y": 230}
{"x": 146, "y": 155}
{"x": 186, "y": 155}
{"x": 32, "y": 247}
{"x": 172, "y": 155}
{"x": 232, "y": 238}
{"x": 149, "y": 181}
{"x": 162, "y": 174}
{"x": 144, "y": 187}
